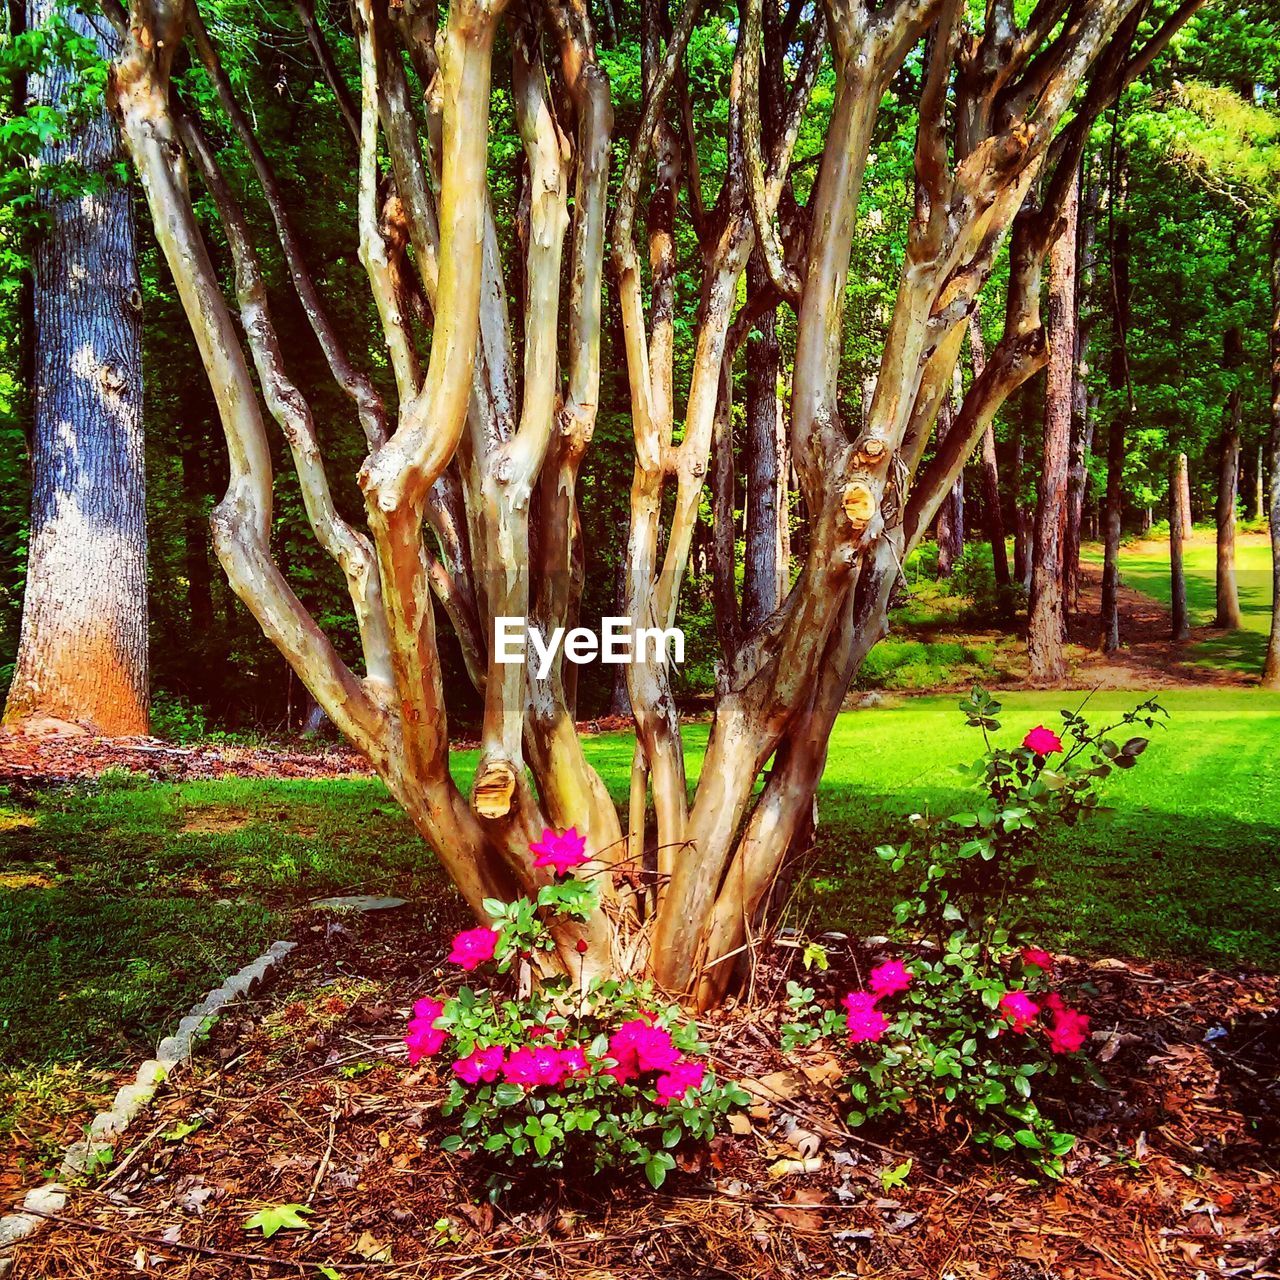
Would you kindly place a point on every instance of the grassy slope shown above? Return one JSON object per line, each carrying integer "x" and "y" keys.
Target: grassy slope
{"x": 151, "y": 891}
{"x": 1145, "y": 568}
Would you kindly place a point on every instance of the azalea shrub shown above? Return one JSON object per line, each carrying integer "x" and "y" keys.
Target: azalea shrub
{"x": 970, "y": 1020}
{"x": 550, "y": 1073}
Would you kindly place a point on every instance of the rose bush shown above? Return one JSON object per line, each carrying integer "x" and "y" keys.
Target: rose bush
{"x": 970, "y": 1021}
{"x": 605, "y": 1075}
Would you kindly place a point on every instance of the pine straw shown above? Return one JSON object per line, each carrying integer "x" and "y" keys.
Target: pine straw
{"x": 306, "y": 1097}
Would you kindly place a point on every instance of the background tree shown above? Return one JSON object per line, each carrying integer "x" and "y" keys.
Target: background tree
{"x": 82, "y": 656}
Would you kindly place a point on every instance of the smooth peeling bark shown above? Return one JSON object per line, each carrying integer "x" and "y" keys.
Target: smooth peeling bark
{"x": 485, "y": 461}
{"x": 82, "y": 652}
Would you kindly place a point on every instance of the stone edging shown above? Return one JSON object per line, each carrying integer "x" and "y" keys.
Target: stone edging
{"x": 108, "y": 1126}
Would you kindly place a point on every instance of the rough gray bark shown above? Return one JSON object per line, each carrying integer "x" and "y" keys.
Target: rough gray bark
{"x": 1184, "y": 495}
{"x": 1227, "y": 593}
{"x": 1181, "y": 623}
{"x": 951, "y": 513}
{"x": 82, "y": 656}
{"x": 1118, "y": 378}
{"x": 1082, "y": 403}
{"x": 994, "y": 520}
{"x": 762, "y": 570}
{"x": 1271, "y": 667}
{"x": 1045, "y": 621}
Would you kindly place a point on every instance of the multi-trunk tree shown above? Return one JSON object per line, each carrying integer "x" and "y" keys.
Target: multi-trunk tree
{"x": 493, "y": 344}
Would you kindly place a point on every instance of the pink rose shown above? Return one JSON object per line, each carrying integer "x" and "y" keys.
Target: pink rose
{"x": 860, "y": 1002}
{"x": 482, "y": 1064}
{"x": 423, "y": 1038}
{"x": 639, "y": 1046}
{"x": 1069, "y": 1031}
{"x": 678, "y": 1080}
{"x": 1042, "y": 741}
{"x": 521, "y": 1068}
{"x": 866, "y": 1025}
{"x": 473, "y": 947}
{"x": 1019, "y": 1009}
{"x": 563, "y": 851}
{"x": 889, "y": 978}
{"x": 574, "y": 1062}
{"x": 1038, "y": 957}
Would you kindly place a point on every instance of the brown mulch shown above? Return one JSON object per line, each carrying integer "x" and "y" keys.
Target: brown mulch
{"x": 58, "y": 754}
{"x": 305, "y": 1097}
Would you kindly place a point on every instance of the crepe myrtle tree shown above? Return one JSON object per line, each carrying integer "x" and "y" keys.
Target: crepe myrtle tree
{"x": 469, "y": 483}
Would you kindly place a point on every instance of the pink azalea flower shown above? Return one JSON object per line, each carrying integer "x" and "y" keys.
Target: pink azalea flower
{"x": 678, "y": 1080}
{"x": 423, "y": 1038}
{"x": 889, "y": 978}
{"x": 473, "y": 947}
{"x": 1042, "y": 741}
{"x": 1038, "y": 957}
{"x": 1019, "y": 1008}
{"x": 482, "y": 1064}
{"x": 563, "y": 851}
{"x": 866, "y": 1025}
{"x": 1069, "y": 1031}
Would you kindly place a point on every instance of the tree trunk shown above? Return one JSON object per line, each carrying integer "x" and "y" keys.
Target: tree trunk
{"x": 762, "y": 572}
{"x": 1228, "y": 596}
{"x": 1111, "y": 537}
{"x": 950, "y": 525}
{"x": 994, "y": 520}
{"x": 1021, "y": 525}
{"x": 1271, "y": 666}
{"x": 82, "y": 656}
{"x": 1259, "y": 489}
{"x": 1181, "y": 624}
{"x": 1046, "y": 618}
{"x": 1184, "y": 495}
{"x": 1082, "y": 403}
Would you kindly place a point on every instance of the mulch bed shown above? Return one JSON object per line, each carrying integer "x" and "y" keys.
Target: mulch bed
{"x": 305, "y": 1096}
{"x": 69, "y": 755}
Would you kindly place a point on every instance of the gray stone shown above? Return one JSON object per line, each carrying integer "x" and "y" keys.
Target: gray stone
{"x": 357, "y": 902}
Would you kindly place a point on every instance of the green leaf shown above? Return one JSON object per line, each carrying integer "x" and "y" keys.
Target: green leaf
{"x": 278, "y": 1217}
{"x": 657, "y": 1166}
{"x": 896, "y": 1177}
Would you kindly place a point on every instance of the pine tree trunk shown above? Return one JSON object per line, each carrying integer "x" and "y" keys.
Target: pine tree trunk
{"x": 1184, "y": 495}
{"x": 994, "y": 520}
{"x": 1259, "y": 490}
{"x": 1082, "y": 404}
{"x": 1046, "y": 620}
{"x": 1228, "y": 596}
{"x": 761, "y": 570}
{"x": 1181, "y": 625}
{"x": 1021, "y": 531}
{"x": 1111, "y": 538}
{"x": 950, "y": 528}
{"x": 82, "y": 656}
{"x": 1271, "y": 667}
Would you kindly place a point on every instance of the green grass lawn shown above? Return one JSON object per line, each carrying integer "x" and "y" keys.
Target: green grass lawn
{"x": 1145, "y": 568}
{"x": 121, "y": 900}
